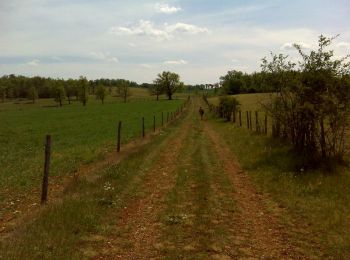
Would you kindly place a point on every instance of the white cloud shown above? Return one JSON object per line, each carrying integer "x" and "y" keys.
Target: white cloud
{"x": 185, "y": 28}
{"x": 166, "y": 9}
{"x": 33, "y": 63}
{"x": 146, "y": 66}
{"x": 345, "y": 45}
{"x": 166, "y": 32}
{"x": 176, "y": 62}
{"x": 133, "y": 45}
{"x": 288, "y": 46}
{"x": 235, "y": 60}
{"x": 104, "y": 56}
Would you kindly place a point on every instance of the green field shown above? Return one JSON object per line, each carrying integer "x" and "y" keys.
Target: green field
{"x": 80, "y": 134}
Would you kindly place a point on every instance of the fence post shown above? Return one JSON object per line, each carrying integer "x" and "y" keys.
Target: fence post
{"x": 143, "y": 127}
{"x": 247, "y": 119}
{"x": 154, "y": 123}
{"x": 240, "y": 118}
{"x": 46, "y": 169}
{"x": 257, "y": 127}
{"x": 265, "y": 130}
{"x": 162, "y": 119}
{"x": 250, "y": 120}
{"x": 234, "y": 116}
{"x": 119, "y": 134}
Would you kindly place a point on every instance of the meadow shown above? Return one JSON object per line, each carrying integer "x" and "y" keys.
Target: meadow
{"x": 79, "y": 134}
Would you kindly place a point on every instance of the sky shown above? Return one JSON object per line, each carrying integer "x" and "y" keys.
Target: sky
{"x": 198, "y": 39}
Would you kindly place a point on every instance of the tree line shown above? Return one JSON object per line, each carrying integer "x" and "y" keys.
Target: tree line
{"x": 309, "y": 101}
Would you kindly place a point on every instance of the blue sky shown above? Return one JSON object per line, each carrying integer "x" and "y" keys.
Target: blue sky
{"x": 201, "y": 40}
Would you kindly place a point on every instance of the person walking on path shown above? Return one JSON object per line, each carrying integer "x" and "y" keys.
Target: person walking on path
{"x": 201, "y": 112}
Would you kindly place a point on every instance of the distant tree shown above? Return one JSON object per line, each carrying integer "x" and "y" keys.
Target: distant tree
{"x": 233, "y": 82}
{"x": 123, "y": 90}
{"x": 83, "y": 87}
{"x": 101, "y": 93}
{"x": 71, "y": 89}
{"x": 169, "y": 81}
{"x": 2, "y": 91}
{"x": 156, "y": 89}
{"x": 59, "y": 93}
{"x": 33, "y": 94}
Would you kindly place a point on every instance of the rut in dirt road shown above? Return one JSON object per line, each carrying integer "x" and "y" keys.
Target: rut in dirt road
{"x": 258, "y": 230}
{"x": 138, "y": 221}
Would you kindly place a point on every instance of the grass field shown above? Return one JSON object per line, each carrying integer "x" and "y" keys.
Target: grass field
{"x": 316, "y": 199}
{"x": 80, "y": 134}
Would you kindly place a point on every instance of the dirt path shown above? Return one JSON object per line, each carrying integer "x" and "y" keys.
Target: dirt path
{"x": 196, "y": 203}
{"x": 257, "y": 216}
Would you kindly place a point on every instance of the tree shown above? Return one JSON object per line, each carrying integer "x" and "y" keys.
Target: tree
{"x": 233, "y": 82}
{"x": 156, "y": 89}
{"x": 123, "y": 90}
{"x": 83, "y": 88}
{"x": 33, "y": 94}
{"x": 59, "y": 92}
{"x": 101, "y": 93}
{"x": 312, "y": 103}
{"x": 169, "y": 82}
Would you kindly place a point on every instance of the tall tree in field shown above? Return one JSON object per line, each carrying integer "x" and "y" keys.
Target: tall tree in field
{"x": 33, "y": 94}
{"x": 156, "y": 89}
{"x": 169, "y": 81}
{"x": 233, "y": 82}
{"x": 123, "y": 90}
{"x": 101, "y": 93}
{"x": 59, "y": 93}
{"x": 83, "y": 87}
{"x": 70, "y": 88}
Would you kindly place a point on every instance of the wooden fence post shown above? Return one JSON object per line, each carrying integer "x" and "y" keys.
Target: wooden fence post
{"x": 45, "y": 183}
{"x": 257, "y": 127}
{"x": 143, "y": 127}
{"x": 119, "y": 134}
{"x": 154, "y": 123}
{"x": 247, "y": 119}
{"x": 234, "y": 116}
{"x": 250, "y": 120}
{"x": 162, "y": 119}
{"x": 240, "y": 118}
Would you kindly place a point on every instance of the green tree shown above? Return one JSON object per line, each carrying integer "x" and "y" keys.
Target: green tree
{"x": 233, "y": 82}
{"x": 32, "y": 94}
{"x": 83, "y": 87}
{"x": 123, "y": 90}
{"x": 169, "y": 82}
{"x": 59, "y": 92}
{"x": 312, "y": 102}
{"x": 156, "y": 89}
{"x": 101, "y": 93}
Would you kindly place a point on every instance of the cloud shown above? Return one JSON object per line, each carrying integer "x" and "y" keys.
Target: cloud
{"x": 166, "y": 32}
{"x": 288, "y": 46}
{"x": 104, "y": 56}
{"x": 176, "y": 62}
{"x": 33, "y": 63}
{"x": 185, "y": 28}
{"x": 345, "y": 45}
{"x": 166, "y": 9}
{"x": 235, "y": 60}
{"x": 146, "y": 66}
